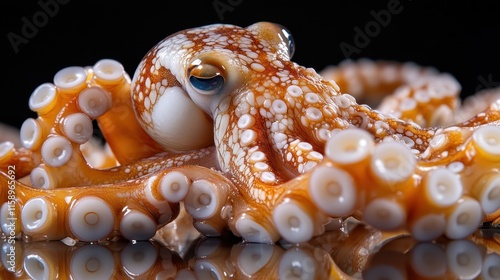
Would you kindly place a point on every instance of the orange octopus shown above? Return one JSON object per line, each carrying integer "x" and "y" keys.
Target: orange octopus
{"x": 219, "y": 122}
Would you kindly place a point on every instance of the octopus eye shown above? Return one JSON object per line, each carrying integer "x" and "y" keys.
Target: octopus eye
{"x": 207, "y": 79}
{"x": 288, "y": 39}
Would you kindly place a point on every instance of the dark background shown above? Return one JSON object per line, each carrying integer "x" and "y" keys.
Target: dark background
{"x": 461, "y": 39}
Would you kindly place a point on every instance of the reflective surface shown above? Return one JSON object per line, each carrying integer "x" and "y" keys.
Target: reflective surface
{"x": 356, "y": 253}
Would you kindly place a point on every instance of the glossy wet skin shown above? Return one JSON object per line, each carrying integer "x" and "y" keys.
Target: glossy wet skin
{"x": 222, "y": 120}
{"x": 225, "y": 68}
{"x": 206, "y": 65}
{"x": 273, "y": 117}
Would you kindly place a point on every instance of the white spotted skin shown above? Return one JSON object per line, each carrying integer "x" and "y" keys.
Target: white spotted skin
{"x": 246, "y": 57}
{"x": 268, "y": 104}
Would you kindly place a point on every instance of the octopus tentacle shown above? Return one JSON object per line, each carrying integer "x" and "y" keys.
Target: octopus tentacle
{"x": 119, "y": 125}
{"x": 443, "y": 199}
{"x": 406, "y": 90}
{"x": 56, "y": 150}
{"x": 475, "y": 104}
{"x": 106, "y": 212}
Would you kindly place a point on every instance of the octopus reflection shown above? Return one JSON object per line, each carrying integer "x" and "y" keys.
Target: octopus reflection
{"x": 362, "y": 253}
{"x": 217, "y": 120}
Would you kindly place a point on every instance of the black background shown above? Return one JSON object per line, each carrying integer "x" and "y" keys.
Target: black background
{"x": 461, "y": 39}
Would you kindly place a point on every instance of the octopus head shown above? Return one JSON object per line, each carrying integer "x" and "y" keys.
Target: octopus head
{"x": 182, "y": 81}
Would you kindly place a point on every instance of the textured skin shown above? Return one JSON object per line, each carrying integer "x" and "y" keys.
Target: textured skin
{"x": 286, "y": 150}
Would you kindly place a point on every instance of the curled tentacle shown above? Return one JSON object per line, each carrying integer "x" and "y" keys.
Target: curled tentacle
{"x": 406, "y": 90}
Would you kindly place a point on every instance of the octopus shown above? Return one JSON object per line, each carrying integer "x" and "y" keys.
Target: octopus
{"x": 218, "y": 125}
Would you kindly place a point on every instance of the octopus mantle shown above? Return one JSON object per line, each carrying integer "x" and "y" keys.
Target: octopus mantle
{"x": 218, "y": 125}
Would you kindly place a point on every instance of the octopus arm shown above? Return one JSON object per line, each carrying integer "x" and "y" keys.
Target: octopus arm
{"x": 133, "y": 209}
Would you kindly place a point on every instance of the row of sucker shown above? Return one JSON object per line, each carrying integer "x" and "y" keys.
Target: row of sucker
{"x": 386, "y": 186}
{"x": 60, "y": 144}
{"x": 108, "y": 212}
